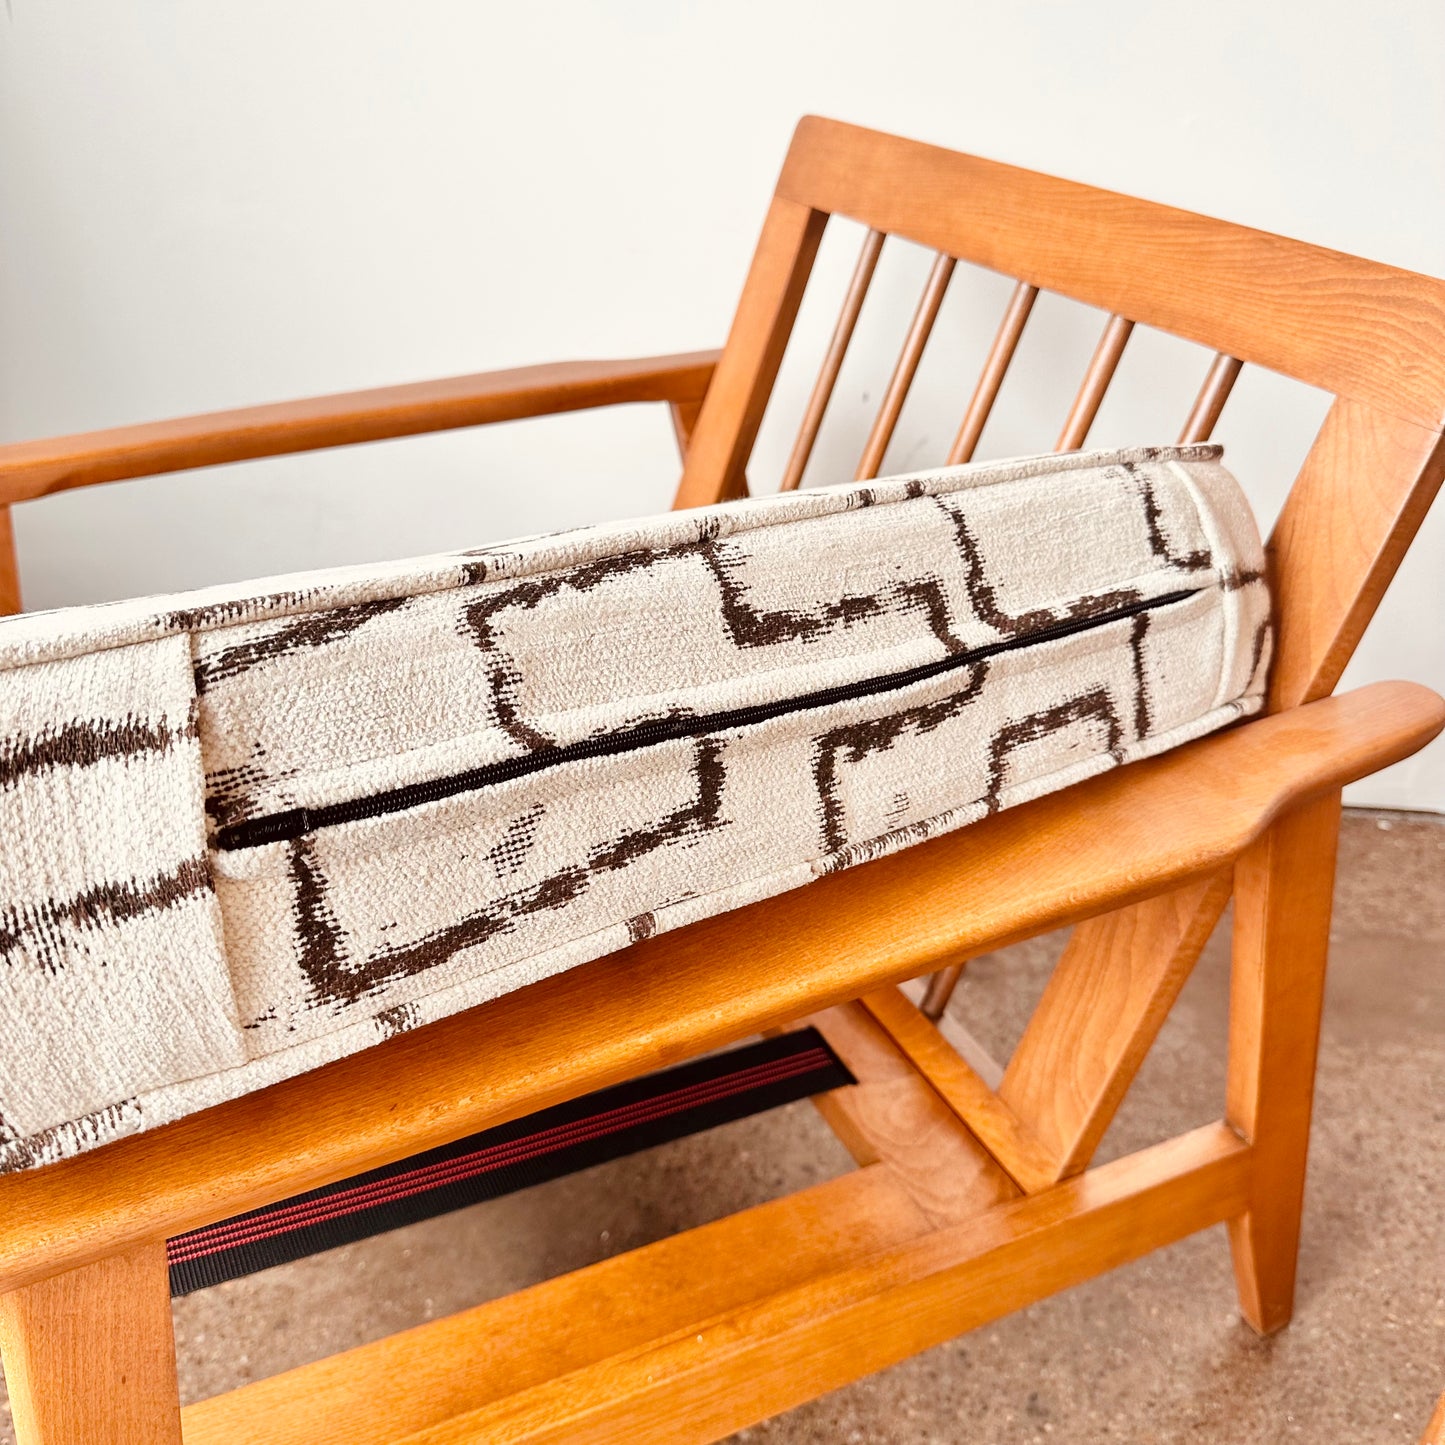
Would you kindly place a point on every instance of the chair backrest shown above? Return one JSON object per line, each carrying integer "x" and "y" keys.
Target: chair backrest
{"x": 1371, "y": 335}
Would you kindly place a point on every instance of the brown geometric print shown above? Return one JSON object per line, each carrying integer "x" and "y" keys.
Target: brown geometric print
{"x": 1095, "y": 707}
{"x": 80, "y": 742}
{"x": 853, "y": 742}
{"x": 43, "y": 924}
{"x": 307, "y": 632}
{"x": 248, "y": 831}
{"x": 113, "y": 981}
{"x": 335, "y": 977}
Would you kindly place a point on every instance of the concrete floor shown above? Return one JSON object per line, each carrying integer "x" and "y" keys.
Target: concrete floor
{"x": 1154, "y": 1352}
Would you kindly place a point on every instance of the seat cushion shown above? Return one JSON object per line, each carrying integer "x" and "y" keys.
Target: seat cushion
{"x": 246, "y": 831}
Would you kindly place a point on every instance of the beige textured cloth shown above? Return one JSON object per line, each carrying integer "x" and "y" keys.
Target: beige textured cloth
{"x": 246, "y": 831}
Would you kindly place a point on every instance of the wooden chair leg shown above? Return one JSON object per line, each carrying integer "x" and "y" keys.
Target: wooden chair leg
{"x": 1435, "y": 1430}
{"x": 1283, "y": 889}
{"x": 90, "y": 1356}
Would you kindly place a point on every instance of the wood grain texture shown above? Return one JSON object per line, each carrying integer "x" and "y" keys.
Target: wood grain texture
{"x": 1360, "y": 498}
{"x": 1100, "y": 1013}
{"x": 1372, "y": 334}
{"x": 89, "y": 1354}
{"x": 696, "y": 1336}
{"x": 1125, "y": 835}
{"x": 37, "y": 468}
{"x": 380, "y": 1392}
{"x": 965, "y": 1043}
{"x": 1283, "y": 889}
{"x": 738, "y": 393}
{"x": 897, "y": 1116}
{"x": 1350, "y": 327}
{"x": 1010, "y": 1142}
{"x": 734, "y": 1362}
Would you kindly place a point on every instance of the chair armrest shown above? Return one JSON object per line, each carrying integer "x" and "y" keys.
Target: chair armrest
{"x": 1111, "y": 840}
{"x": 36, "y": 468}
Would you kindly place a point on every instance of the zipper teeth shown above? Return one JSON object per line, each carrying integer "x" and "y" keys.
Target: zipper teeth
{"x": 294, "y": 822}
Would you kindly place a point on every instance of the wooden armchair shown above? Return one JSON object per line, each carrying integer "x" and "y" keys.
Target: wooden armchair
{"x": 973, "y": 1196}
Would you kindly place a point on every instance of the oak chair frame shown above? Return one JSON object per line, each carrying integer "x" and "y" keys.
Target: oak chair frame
{"x": 974, "y": 1193}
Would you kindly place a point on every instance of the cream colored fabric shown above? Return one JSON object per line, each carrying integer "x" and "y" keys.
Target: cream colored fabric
{"x": 620, "y": 730}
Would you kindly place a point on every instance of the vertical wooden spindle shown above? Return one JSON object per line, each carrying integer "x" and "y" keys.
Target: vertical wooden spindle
{"x": 1223, "y": 373}
{"x": 940, "y": 989}
{"x": 833, "y": 360}
{"x": 907, "y": 367}
{"x": 1096, "y": 381}
{"x": 941, "y": 985}
{"x": 980, "y": 404}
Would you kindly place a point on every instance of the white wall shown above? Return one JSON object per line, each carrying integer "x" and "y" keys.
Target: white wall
{"x": 205, "y": 203}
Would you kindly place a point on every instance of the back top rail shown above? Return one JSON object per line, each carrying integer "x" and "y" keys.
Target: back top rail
{"x": 1353, "y": 327}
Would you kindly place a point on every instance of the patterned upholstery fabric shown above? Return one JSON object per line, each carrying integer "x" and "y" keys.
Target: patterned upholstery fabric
{"x": 246, "y": 831}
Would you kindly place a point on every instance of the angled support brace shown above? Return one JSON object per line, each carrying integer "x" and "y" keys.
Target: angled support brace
{"x": 1013, "y": 1145}
{"x": 1100, "y": 1013}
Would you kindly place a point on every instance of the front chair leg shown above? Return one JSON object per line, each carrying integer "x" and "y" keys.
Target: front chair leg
{"x": 1283, "y": 889}
{"x": 90, "y": 1355}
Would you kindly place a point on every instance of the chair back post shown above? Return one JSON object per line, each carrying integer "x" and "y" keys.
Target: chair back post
{"x": 1359, "y": 499}
{"x": 737, "y": 396}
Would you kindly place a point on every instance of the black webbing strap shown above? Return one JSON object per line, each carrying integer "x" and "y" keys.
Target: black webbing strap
{"x": 606, "y": 1125}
